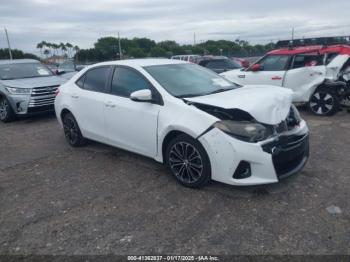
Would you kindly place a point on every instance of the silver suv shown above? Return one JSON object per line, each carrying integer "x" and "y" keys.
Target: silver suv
{"x": 26, "y": 87}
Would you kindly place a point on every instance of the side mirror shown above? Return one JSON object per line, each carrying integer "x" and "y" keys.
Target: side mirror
{"x": 60, "y": 72}
{"x": 144, "y": 95}
{"x": 256, "y": 67}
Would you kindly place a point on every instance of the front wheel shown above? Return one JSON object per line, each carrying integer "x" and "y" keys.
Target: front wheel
{"x": 188, "y": 161}
{"x": 324, "y": 103}
{"x": 6, "y": 112}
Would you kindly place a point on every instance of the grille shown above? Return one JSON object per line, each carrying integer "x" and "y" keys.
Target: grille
{"x": 288, "y": 153}
{"x": 42, "y": 96}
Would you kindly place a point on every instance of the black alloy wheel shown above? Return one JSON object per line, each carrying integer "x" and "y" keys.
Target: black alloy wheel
{"x": 6, "y": 112}
{"x": 324, "y": 103}
{"x": 72, "y": 131}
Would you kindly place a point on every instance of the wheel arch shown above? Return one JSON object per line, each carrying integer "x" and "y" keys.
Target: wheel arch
{"x": 63, "y": 112}
{"x": 168, "y": 137}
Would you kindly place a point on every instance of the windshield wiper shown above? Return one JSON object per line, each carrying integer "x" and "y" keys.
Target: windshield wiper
{"x": 189, "y": 95}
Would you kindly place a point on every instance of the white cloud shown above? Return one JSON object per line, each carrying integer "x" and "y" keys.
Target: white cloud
{"x": 81, "y": 22}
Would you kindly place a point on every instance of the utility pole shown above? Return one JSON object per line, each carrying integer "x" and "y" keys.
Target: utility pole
{"x": 292, "y": 33}
{"x": 194, "y": 38}
{"x": 120, "y": 47}
{"x": 8, "y": 43}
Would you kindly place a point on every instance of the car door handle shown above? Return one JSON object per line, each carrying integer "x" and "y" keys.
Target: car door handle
{"x": 241, "y": 76}
{"x": 74, "y": 96}
{"x": 276, "y": 78}
{"x": 109, "y": 104}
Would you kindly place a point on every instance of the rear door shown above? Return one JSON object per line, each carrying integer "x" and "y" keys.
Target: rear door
{"x": 273, "y": 70}
{"x": 306, "y": 72}
{"x": 88, "y": 98}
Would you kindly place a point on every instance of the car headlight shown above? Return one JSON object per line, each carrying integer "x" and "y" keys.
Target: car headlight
{"x": 294, "y": 117}
{"x": 246, "y": 131}
{"x": 19, "y": 91}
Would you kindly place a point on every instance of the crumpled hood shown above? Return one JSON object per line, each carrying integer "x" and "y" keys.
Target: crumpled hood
{"x": 267, "y": 104}
{"x": 34, "y": 82}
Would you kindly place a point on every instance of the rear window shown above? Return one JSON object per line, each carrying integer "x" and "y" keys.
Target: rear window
{"x": 304, "y": 60}
{"x": 95, "y": 79}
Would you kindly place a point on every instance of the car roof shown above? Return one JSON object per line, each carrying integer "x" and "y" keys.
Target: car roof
{"x": 142, "y": 62}
{"x": 17, "y": 61}
{"x": 341, "y": 49}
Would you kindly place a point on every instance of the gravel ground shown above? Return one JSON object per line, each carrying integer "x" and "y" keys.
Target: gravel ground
{"x": 55, "y": 199}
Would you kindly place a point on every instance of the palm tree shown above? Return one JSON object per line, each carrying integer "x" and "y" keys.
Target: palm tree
{"x": 40, "y": 47}
{"x": 76, "y": 50}
{"x": 46, "y": 52}
{"x": 69, "y": 47}
{"x": 63, "y": 48}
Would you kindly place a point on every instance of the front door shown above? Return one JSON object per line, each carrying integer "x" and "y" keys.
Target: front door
{"x": 131, "y": 125}
{"x": 272, "y": 71}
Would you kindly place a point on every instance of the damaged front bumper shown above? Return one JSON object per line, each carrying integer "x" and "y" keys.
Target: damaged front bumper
{"x": 237, "y": 162}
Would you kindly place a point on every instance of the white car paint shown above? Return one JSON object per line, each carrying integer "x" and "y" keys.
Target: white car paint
{"x": 302, "y": 81}
{"x": 142, "y": 127}
{"x": 274, "y": 104}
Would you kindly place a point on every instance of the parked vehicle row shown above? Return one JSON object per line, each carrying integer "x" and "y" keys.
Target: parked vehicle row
{"x": 197, "y": 59}
{"x": 199, "y": 124}
{"x": 314, "y": 73}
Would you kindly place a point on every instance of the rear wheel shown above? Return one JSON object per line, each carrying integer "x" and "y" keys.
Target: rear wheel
{"x": 72, "y": 131}
{"x": 188, "y": 161}
{"x": 324, "y": 103}
{"x": 6, "y": 112}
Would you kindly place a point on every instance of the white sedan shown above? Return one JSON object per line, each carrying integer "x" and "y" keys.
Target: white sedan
{"x": 199, "y": 124}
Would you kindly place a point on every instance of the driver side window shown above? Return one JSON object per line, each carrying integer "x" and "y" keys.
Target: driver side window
{"x": 126, "y": 81}
{"x": 274, "y": 63}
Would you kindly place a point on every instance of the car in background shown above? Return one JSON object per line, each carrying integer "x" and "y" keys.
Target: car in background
{"x": 26, "y": 87}
{"x": 68, "y": 69}
{"x": 311, "y": 72}
{"x": 188, "y": 58}
{"x": 199, "y": 124}
{"x": 53, "y": 68}
{"x": 243, "y": 62}
{"x": 220, "y": 65}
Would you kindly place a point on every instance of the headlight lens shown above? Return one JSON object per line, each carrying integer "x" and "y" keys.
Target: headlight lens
{"x": 246, "y": 131}
{"x": 19, "y": 91}
{"x": 294, "y": 117}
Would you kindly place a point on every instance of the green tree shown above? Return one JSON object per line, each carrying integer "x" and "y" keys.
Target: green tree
{"x": 137, "y": 52}
{"x": 158, "y": 51}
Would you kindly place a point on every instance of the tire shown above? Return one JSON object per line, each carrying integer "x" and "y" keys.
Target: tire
{"x": 6, "y": 112}
{"x": 72, "y": 131}
{"x": 324, "y": 102}
{"x": 188, "y": 161}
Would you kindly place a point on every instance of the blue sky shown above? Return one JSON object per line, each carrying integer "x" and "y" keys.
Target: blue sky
{"x": 81, "y": 22}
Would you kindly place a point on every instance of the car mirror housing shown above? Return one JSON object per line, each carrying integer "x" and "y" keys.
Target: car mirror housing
{"x": 256, "y": 67}
{"x": 60, "y": 72}
{"x": 144, "y": 95}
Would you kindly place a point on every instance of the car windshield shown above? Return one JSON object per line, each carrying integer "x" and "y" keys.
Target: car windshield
{"x": 23, "y": 70}
{"x": 189, "y": 80}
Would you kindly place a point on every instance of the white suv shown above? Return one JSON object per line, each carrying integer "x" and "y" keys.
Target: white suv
{"x": 311, "y": 72}
{"x": 198, "y": 123}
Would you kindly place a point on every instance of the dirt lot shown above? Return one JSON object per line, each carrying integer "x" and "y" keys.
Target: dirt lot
{"x": 100, "y": 200}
